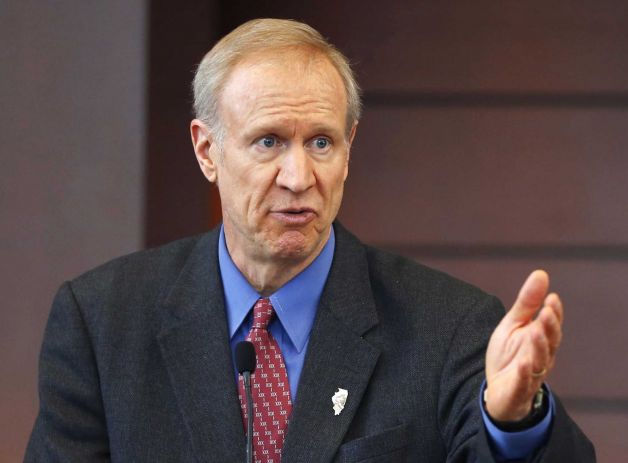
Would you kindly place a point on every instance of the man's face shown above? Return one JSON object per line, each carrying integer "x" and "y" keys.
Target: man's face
{"x": 284, "y": 156}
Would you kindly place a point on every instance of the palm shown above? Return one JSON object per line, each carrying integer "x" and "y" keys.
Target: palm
{"x": 522, "y": 350}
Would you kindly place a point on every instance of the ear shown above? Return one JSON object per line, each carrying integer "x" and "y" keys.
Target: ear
{"x": 354, "y": 128}
{"x": 204, "y": 148}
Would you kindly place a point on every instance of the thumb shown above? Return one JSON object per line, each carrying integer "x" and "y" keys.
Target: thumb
{"x": 530, "y": 298}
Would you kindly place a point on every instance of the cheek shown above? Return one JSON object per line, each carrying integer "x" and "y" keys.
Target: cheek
{"x": 233, "y": 196}
{"x": 254, "y": 194}
{"x": 238, "y": 180}
{"x": 333, "y": 186}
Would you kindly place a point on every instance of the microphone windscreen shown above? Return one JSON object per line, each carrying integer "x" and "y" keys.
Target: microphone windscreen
{"x": 245, "y": 357}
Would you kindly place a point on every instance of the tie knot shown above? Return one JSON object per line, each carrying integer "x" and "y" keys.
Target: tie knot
{"x": 263, "y": 312}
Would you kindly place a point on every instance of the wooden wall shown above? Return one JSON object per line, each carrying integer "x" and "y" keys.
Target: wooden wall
{"x": 176, "y": 197}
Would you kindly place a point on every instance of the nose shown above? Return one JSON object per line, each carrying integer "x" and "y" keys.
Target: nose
{"x": 296, "y": 170}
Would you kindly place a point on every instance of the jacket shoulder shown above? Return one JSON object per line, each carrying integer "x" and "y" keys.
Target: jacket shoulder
{"x": 144, "y": 265}
{"x": 139, "y": 279}
{"x": 394, "y": 269}
{"x": 411, "y": 284}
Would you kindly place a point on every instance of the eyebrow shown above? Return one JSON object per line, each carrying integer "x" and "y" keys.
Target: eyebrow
{"x": 325, "y": 128}
{"x": 277, "y": 129}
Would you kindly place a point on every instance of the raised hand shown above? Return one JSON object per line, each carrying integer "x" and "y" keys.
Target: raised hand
{"x": 522, "y": 350}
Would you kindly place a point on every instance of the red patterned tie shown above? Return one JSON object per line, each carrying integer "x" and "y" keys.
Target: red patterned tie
{"x": 269, "y": 387}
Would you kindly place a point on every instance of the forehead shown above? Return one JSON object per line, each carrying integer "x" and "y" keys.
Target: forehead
{"x": 291, "y": 77}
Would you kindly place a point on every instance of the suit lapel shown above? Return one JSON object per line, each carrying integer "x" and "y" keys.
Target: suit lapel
{"x": 337, "y": 357}
{"x": 195, "y": 347}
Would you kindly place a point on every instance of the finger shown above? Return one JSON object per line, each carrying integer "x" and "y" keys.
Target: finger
{"x": 538, "y": 353}
{"x": 552, "y": 326}
{"x": 540, "y": 347}
{"x": 530, "y": 297}
{"x": 556, "y": 304}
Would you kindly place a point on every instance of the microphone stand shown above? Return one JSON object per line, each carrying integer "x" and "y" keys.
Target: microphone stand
{"x": 249, "y": 425}
{"x": 245, "y": 364}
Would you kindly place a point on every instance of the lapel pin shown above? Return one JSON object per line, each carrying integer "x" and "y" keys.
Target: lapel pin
{"x": 339, "y": 399}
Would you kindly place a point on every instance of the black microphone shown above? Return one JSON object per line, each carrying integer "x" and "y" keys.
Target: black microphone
{"x": 245, "y": 363}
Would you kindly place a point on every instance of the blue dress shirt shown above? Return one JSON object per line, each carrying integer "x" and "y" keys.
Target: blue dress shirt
{"x": 296, "y": 303}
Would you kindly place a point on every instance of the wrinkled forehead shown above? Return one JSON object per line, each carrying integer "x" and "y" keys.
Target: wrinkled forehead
{"x": 295, "y": 69}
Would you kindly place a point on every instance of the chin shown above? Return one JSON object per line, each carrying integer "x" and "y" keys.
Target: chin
{"x": 294, "y": 245}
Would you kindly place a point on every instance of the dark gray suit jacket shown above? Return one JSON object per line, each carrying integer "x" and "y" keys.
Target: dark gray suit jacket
{"x": 136, "y": 366}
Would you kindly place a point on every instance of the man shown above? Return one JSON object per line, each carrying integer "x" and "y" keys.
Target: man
{"x": 361, "y": 355}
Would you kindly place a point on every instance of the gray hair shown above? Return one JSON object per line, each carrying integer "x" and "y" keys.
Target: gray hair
{"x": 261, "y": 34}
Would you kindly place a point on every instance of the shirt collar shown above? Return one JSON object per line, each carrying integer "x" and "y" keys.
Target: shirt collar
{"x": 295, "y": 302}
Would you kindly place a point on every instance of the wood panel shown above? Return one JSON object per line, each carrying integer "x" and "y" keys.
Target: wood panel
{"x": 496, "y": 46}
{"x": 177, "y": 193}
{"x": 498, "y": 176}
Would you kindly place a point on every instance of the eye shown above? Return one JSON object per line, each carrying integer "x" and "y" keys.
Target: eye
{"x": 321, "y": 144}
{"x": 268, "y": 141}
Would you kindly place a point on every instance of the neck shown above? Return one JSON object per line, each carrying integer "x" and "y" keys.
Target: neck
{"x": 267, "y": 278}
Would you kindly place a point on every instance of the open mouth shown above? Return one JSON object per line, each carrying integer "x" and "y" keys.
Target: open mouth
{"x": 295, "y": 216}
{"x": 295, "y": 211}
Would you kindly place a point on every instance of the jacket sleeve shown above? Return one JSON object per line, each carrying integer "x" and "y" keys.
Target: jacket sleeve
{"x": 459, "y": 412}
{"x": 70, "y": 426}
